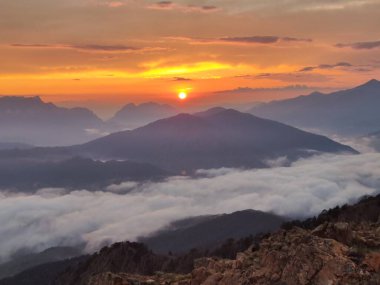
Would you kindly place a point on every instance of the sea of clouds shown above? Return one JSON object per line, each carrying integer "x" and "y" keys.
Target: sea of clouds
{"x": 56, "y": 217}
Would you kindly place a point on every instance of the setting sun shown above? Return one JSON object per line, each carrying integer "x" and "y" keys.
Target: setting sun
{"x": 182, "y": 95}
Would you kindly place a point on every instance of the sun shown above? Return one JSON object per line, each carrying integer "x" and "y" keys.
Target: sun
{"x": 182, "y": 95}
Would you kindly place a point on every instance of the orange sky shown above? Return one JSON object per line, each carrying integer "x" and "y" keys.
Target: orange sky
{"x": 102, "y": 52}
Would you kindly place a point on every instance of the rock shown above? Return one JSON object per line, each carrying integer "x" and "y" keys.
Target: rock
{"x": 372, "y": 260}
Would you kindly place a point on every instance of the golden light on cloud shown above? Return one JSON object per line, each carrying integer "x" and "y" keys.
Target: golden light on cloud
{"x": 195, "y": 68}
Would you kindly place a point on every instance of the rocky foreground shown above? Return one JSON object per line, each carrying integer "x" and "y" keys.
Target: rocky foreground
{"x": 296, "y": 256}
{"x": 341, "y": 246}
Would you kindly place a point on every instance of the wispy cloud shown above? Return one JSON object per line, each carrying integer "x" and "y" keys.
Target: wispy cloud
{"x": 360, "y": 45}
{"x": 169, "y": 5}
{"x": 279, "y": 89}
{"x": 326, "y": 66}
{"x": 244, "y": 40}
{"x": 291, "y": 6}
{"x": 91, "y": 47}
{"x": 262, "y": 39}
{"x": 291, "y": 77}
{"x": 181, "y": 79}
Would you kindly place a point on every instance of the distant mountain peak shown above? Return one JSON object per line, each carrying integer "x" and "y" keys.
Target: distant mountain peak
{"x": 151, "y": 104}
{"x": 31, "y": 120}
{"x": 316, "y": 93}
{"x": 373, "y": 83}
{"x": 349, "y": 112}
{"x": 134, "y": 115}
{"x": 145, "y": 105}
{"x": 22, "y": 102}
{"x": 210, "y": 112}
{"x": 15, "y": 99}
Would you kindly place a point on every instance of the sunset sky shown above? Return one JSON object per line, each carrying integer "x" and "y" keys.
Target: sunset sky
{"x": 78, "y": 52}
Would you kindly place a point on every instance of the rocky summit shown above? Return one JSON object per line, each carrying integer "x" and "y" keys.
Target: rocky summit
{"x": 342, "y": 248}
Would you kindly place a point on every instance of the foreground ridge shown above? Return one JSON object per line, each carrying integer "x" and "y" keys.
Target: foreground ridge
{"x": 341, "y": 246}
{"x": 295, "y": 256}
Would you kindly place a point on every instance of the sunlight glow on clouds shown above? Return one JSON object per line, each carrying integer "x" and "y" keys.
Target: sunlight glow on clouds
{"x": 202, "y": 40}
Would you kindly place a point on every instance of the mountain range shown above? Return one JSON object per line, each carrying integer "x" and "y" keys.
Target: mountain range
{"x": 180, "y": 144}
{"x": 30, "y": 120}
{"x": 132, "y": 116}
{"x": 186, "y": 142}
{"x": 212, "y": 139}
{"x": 351, "y": 112}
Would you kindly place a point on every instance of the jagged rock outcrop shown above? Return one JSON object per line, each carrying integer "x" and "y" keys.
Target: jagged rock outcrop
{"x": 295, "y": 256}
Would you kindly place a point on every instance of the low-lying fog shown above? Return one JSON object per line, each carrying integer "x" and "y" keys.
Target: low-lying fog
{"x": 54, "y": 217}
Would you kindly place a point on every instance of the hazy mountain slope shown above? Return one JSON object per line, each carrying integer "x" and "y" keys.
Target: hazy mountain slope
{"x": 43, "y": 274}
{"x": 29, "y": 175}
{"x": 191, "y": 233}
{"x": 348, "y": 112}
{"x": 212, "y": 140}
{"x": 132, "y": 116}
{"x": 25, "y": 261}
{"x": 30, "y": 120}
{"x": 10, "y": 145}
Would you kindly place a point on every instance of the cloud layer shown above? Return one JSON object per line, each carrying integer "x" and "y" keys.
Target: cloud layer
{"x": 53, "y": 217}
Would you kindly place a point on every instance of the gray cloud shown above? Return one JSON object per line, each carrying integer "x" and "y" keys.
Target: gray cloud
{"x": 104, "y": 47}
{"x": 254, "y": 39}
{"x": 279, "y": 89}
{"x": 246, "y": 40}
{"x": 326, "y": 66}
{"x": 89, "y": 47}
{"x": 295, "y": 77}
{"x": 262, "y": 39}
{"x": 181, "y": 79}
{"x": 293, "y": 5}
{"x": 54, "y": 217}
{"x": 163, "y": 4}
{"x": 169, "y": 5}
{"x": 360, "y": 45}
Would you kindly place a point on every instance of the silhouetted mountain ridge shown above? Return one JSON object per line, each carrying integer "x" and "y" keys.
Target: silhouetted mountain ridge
{"x": 30, "y": 120}
{"x": 132, "y": 116}
{"x": 183, "y": 235}
{"x": 225, "y": 138}
{"x": 347, "y": 112}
